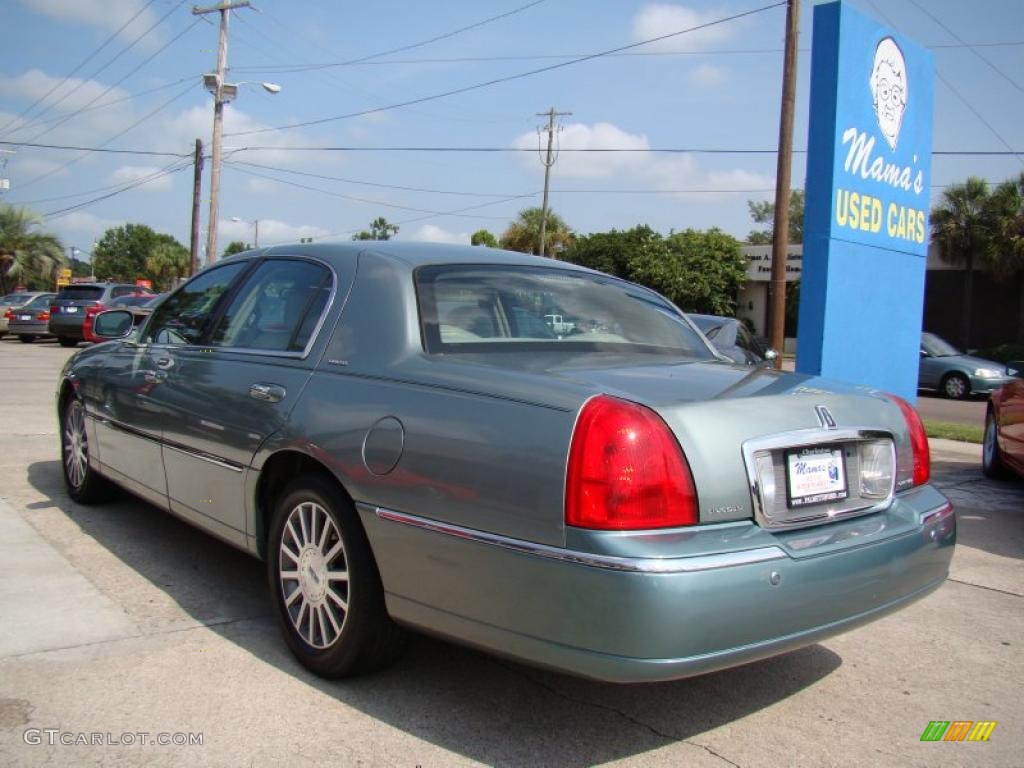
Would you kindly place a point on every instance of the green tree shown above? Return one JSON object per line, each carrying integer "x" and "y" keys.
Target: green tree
{"x": 380, "y": 229}
{"x": 166, "y": 263}
{"x": 523, "y": 234}
{"x": 763, "y": 212}
{"x": 699, "y": 270}
{"x": 235, "y": 246}
{"x": 27, "y": 255}
{"x": 122, "y": 251}
{"x": 970, "y": 227}
{"x": 485, "y": 238}
{"x": 613, "y": 252}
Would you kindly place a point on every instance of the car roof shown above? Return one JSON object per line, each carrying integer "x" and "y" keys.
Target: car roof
{"x": 414, "y": 254}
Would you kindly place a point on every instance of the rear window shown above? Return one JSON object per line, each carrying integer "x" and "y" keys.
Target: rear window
{"x": 16, "y": 299}
{"x": 80, "y": 292}
{"x": 40, "y": 301}
{"x": 498, "y": 308}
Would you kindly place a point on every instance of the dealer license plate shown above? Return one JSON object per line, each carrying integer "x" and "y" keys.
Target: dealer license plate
{"x": 70, "y": 310}
{"x": 24, "y": 317}
{"x": 815, "y": 476}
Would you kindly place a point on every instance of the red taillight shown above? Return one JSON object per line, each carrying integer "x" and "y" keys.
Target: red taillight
{"x": 918, "y": 441}
{"x": 54, "y": 309}
{"x": 626, "y": 471}
{"x": 8, "y": 315}
{"x": 44, "y": 315}
{"x": 94, "y": 309}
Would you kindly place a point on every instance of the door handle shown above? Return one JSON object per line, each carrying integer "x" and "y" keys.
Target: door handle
{"x": 165, "y": 362}
{"x": 269, "y": 393}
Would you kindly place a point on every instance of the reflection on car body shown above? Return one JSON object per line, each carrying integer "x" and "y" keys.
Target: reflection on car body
{"x": 400, "y": 433}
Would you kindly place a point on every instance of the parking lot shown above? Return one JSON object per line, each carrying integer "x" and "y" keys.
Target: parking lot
{"x": 122, "y": 620}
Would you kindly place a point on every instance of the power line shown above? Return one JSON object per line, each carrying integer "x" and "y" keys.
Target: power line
{"x": 84, "y": 192}
{"x": 81, "y": 64}
{"x": 118, "y": 135}
{"x": 31, "y": 145}
{"x": 137, "y": 183}
{"x": 332, "y": 193}
{"x": 294, "y": 68}
{"x": 636, "y": 150}
{"x": 972, "y": 48}
{"x": 509, "y": 78}
{"x": 113, "y": 85}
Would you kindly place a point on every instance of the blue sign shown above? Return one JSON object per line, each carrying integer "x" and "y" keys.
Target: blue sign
{"x": 866, "y": 218}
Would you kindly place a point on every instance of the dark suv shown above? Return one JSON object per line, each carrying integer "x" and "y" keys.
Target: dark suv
{"x": 76, "y": 302}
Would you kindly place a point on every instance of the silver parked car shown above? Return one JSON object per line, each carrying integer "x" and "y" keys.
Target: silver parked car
{"x": 399, "y": 431}
{"x": 9, "y": 302}
{"x": 946, "y": 369}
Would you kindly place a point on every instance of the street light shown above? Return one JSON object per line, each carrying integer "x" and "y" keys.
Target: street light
{"x": 256, "y": 225}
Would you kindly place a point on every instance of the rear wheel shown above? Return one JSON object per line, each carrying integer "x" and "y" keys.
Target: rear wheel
{"x": 991, "y": 460}
{"x": 67, "y": 341}
{"x": 26, "y": 339}
{"x": 325, "y": 585}
{"x": 955, "y": 386}
{"x": 83, "y": 484}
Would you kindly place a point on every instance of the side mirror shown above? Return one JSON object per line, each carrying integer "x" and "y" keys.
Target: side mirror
{"x": 113, "y": 324}
{"x": 1015, "y": 368}
{"x": 771, "y": 354}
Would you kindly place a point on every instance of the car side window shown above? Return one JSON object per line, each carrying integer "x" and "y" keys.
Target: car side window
{"x": 123, "y": 290}
{"x": 277, "y": 309}
{"x": 183, "y": 316}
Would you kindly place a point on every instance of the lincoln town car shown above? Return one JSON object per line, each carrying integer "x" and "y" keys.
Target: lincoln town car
{"x": 507, "y": 451}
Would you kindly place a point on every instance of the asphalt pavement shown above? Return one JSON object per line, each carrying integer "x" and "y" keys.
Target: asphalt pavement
{"x": 121, "y": 624}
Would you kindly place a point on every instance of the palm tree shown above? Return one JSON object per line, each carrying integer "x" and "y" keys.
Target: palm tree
{"x": 166, "y": 263}
{"x": 523, "y": 234}
{"x": 962, "y": 228}
{"x": 27, "y": 255}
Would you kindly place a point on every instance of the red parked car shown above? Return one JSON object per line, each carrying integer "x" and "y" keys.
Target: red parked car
{"x": 1003, "y": 450}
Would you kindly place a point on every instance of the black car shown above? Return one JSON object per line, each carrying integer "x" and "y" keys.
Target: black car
{"x": 75, "y": 302}
{"x": 733, "y": 340}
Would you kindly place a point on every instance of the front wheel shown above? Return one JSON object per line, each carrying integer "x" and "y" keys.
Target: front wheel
{"x": 991, "y": 460}
{"x": 26, "y": 339}
{"x": 83, "y": 484}
{"x": 325, "y": 585}
{"x": 955, "y": 386}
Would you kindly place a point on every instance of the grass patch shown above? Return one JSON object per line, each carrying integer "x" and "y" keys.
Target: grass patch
{"x": 965, "y": 433}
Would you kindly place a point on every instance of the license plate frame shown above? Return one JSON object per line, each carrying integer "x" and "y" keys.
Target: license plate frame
{"x": 815, "y": 475}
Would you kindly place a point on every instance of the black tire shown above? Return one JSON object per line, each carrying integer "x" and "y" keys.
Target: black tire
{"x": 339, "y": 642}
{"x": 991, "y": 459}
{"x": 26, "y": 339}
{"x": 67, "y": 341}
{"x": 84, "y": 485}
{"x": 955, "y": 386}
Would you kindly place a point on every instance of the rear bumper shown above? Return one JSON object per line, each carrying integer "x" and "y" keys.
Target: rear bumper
{"x": 27, "y": 329}
{"x": 670, "y": 617}
{"x": 69, "y": 327}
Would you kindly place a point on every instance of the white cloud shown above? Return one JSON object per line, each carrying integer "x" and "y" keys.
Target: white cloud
{"x": 82, "y": 229}
{"x": 108, "y": 15}
{"x": 657, "y": 19}
{"x": 591, "y": 165}
{"x": 271, "y": 231}
{"x": 129, "y": 173}
{"x": 652, "y": 169}
{"x": 71, "y": 96}
{"x": 430, "y": 233}
{"x": 708, "y": 76}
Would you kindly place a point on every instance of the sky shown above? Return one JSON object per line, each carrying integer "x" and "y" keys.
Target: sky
{"x": 127, "y": 75}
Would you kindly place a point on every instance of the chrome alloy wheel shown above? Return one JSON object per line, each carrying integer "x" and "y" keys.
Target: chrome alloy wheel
{"x": 956, "y": 387}
{"x": 314, "y": 575}
{"x": 988, "y": 445}
{"x": 76, "y": 445}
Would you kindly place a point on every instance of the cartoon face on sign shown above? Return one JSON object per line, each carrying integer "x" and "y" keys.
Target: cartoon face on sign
{"x": 889, "y": 88}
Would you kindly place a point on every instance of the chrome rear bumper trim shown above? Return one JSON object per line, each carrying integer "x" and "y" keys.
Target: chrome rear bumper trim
{"x": 630, "y": 565}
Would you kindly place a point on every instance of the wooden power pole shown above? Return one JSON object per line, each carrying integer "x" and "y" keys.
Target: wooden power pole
{"x": 780, "y": 241}
{"x": 548, "y": 161}
{"x": 218, "y": 118}
{"x": 197, "y": 192}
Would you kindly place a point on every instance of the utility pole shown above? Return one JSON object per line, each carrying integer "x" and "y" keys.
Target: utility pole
{"x": 197, "y": 192}
{"x": 780, "y": 241}
{"x": 548, "y": 161}
{"x": 218, "y": 116}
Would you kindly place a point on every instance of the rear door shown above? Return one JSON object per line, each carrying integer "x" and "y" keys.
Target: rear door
{"x": 224, "y": 398}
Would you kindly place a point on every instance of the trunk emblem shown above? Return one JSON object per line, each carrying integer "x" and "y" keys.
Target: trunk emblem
{"x": 825, "y": 418}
